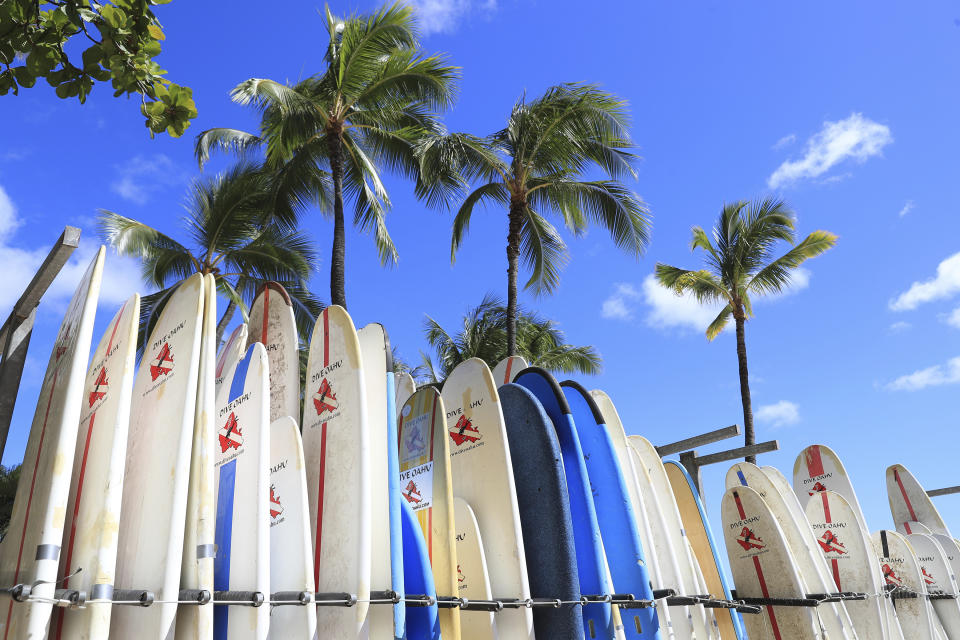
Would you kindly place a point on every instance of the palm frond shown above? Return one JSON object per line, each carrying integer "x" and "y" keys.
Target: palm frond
{"x": 720, "y": 322}
{"x": 494, "y": 191}
{"x": 543, "y": 252}
{"x": 774, "y": 277}
{"x": 163, "y": 259}
{"x": 224, "y": 139}
{"x": 704, "y": 286}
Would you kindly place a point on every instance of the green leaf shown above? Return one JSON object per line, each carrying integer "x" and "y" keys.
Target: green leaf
{"x": 156, "y": 32}
{"x": 112, "y": 15}
{"x": 6, "y": 53}
{"x": 92, "y": 56}
{"x": 63, "y": 90}
{"x": 24, "y": 77}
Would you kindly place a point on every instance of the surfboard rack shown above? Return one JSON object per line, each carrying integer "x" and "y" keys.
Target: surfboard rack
{"x": 282, "y": 598}
{"x": 19, "y": 592}
{"x": 493, "y": 606}
{"x": 660, "y": 594}
{"x": 946, "y": 491}
{"x": 134, "y": 597}
{"x": 69, "y": 597}
{"x": 419, "y": 600}
{"x": 334, "y": 599}
{"x": 243, "y": 598}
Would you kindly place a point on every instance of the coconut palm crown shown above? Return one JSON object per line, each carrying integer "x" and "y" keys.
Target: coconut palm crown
{"x": 741, "y": 263}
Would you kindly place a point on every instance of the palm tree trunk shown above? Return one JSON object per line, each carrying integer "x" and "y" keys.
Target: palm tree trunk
{"x": 513, "y": 258}
{"x": 338, "y": 293}
{"x": 749, "y": 437}
{"x": 224, "y": 321}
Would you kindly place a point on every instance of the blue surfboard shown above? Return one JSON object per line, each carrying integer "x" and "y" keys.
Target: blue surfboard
{"x": 423, "y": 623}
{"x": 618, "y": 524}
{"x": 598, "y": 619}
{"x": 544, "y": 512}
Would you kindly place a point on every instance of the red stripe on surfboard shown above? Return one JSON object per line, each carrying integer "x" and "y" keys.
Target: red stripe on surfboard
{"x": 222, "y": 360}
{"x": 906, "y": 526}
{"x": 826, "y": 517}
{"x": 903, "y": 492}
{"x": 506, "y": 377}
{"x": 760, "y": 578}
{"x": 814, "y": 461}
{"x": 266, "y": 311}
{"x": 323, "y": 460}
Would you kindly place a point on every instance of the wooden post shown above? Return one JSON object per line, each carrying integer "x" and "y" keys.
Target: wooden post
{"x": 943, "y": 492}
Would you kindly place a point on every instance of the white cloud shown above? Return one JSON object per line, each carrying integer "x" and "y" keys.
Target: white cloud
{"x": 141, "y": 177}
{"x": 856, "y": 137}
{"x": 619, "y": 305}
{"x": 897, "y": 327}
{"x": 779, "y": 414}
{"x": 667, "y": 309}
{"x": 785, "y": 141}
{"x": 444, "y": 16}
{"x": 934, "y": 376}
{"x": 944, "y": 285}
{"x": 907, "y": 208}
{"x": 953, "y": 318}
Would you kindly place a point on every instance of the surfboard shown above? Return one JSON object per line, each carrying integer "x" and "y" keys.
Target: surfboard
{"x": 473, "y": 580}
{"x": 231, "y": 352}
{"x": 818, "y": 468}
{"x": 242, "y": 487}
{"x": 291, "y": 551}
{"x": 382, "y": 412}
{"x": 598, "y": 618}
{"x": 196, "y": 622}
{"x": 852, "y": 561}
{"x": 150, "y": 543}
{"x": 618, "y": 524}
{"x": 426, "y": 486}
{"x": 705, "y": 548}
{"x": 654, "y": 564}
{"x": 899, "y": 567}
{"x": 482, "y": 473}
{"x": 508, "y": 368}
{"x": 673, "y": 535}
{"x": 544, "y": 506}
{"x": 762, "y": 567}
{"x": 271, "y": 316}
{"x": 422, "y": 623}
{"x": 938, "y": 577}
{"x": 808, "y": 559}
{"x": 909, "y": 502}
{"x": 93, "y": 509}
{"x": 405, "y": 386}
{"x": 337, "y": 453}
{"x": 915, "y": 527}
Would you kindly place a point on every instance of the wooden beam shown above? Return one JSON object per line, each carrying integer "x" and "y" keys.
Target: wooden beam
{"x": 943, "y": 492}
{"x": 11, "y": 370}
{"x": 740, "y": 452}
{"x": 699, "y": 441}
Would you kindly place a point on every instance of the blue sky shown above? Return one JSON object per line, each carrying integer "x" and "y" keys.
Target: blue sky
{"x": 846, "y": 110}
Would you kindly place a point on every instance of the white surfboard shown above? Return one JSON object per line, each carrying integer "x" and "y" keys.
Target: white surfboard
{"x": 273, "y": 323}
{"x": 508, "y": 368}
{"x": 196, "y": 622}
{"x": 483, "y": 476}
{"x": 808, "y": 559}
{"x": 291, "y": 553}
{"x": 425, "y": 484}
{"x": 899, "y": 567}
{"x": 231, "y": 352}
{"x": 673, "y": 539}
{"x": 150, "y": 546}
{"x": 242, "y": 488}
{"x": 31, "y": 550}
{"x": 406, "y": 386}
{"x": 910, "y": 503}
{"x": 643, "y": 515}
{"x": 915, "y": 527}
{"x": 938, "y": 577}
{"x": 473, "y": 581}
{"x": 763, "y": 567}
{"x": 336, "y": 449}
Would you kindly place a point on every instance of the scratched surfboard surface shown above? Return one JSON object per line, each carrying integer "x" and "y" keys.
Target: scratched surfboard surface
{"x": 158, "y": 456}
{"x": 31, "y": 550}
{"x": 938, "y": 577}
{"x": 763, "y": 567}
{"x": 508, "y": 368}
{"x": 336, "y": 449}
{"x": 425, "y": 484}
{"x": 242, "y": 460}
{"x": 273, "y": 324}
{"x": 93, "y": 510}
{"x": 291, "y": 553}
{"x": 405, "y": 387}
{"x": 900, "y": 569}
{"x": 473, "y": 579}
{"x": 231, "y": 352}
{"x": 909, "y": 501}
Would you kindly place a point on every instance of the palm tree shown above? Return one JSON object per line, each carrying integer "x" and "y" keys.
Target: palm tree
{"x": 535, "y": 166}
{"x": 243, "y": 231}
{"x": 740, "y": 264}
{"x": 484, "y": 335}
{"x": 376, "y": 98}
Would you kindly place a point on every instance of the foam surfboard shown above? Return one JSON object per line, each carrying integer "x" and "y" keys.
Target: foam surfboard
{"x": 242, "y": 487}
{"x": 673, "y": 536}
{"x": 158, "y": 446}
{"x": 900, "y": 569}
{"x": 482, "y": 473}
{"x": 909, "y": 502}
{"x": 273, "y": 325}
{"x": 473, "y": 580}
{"x": 618, "y": 524}
{"x": 508, "y": 368}
{"x": 196, "y": 622}
{"x": 938, "y": 577}
{"x": 853, "y": 564}
{"x": 231, "y": 352}
{"x": 405, "y": 386}
{"x": 426, "y": 486}
{"x": 382, "y": 412}
{"x": 337, "y": 453}
{"x": 544, "y": 513}
{"x": 916, "y": 527}
{"x": 654, "y": 564}
{"x": 808, "y": 559}
{"x": 422, "y": 623}
{"x": 291, "y": 553}
{"x": 704, "y": 545}
{"x": 763, "y": 567}
{"x": 598, "y": 619}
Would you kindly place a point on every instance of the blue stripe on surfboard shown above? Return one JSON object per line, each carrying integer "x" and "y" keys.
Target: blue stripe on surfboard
{"x": 225, "y": 496}
{"x": 396, "y": 535}
{"x": 743, "y": 480}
